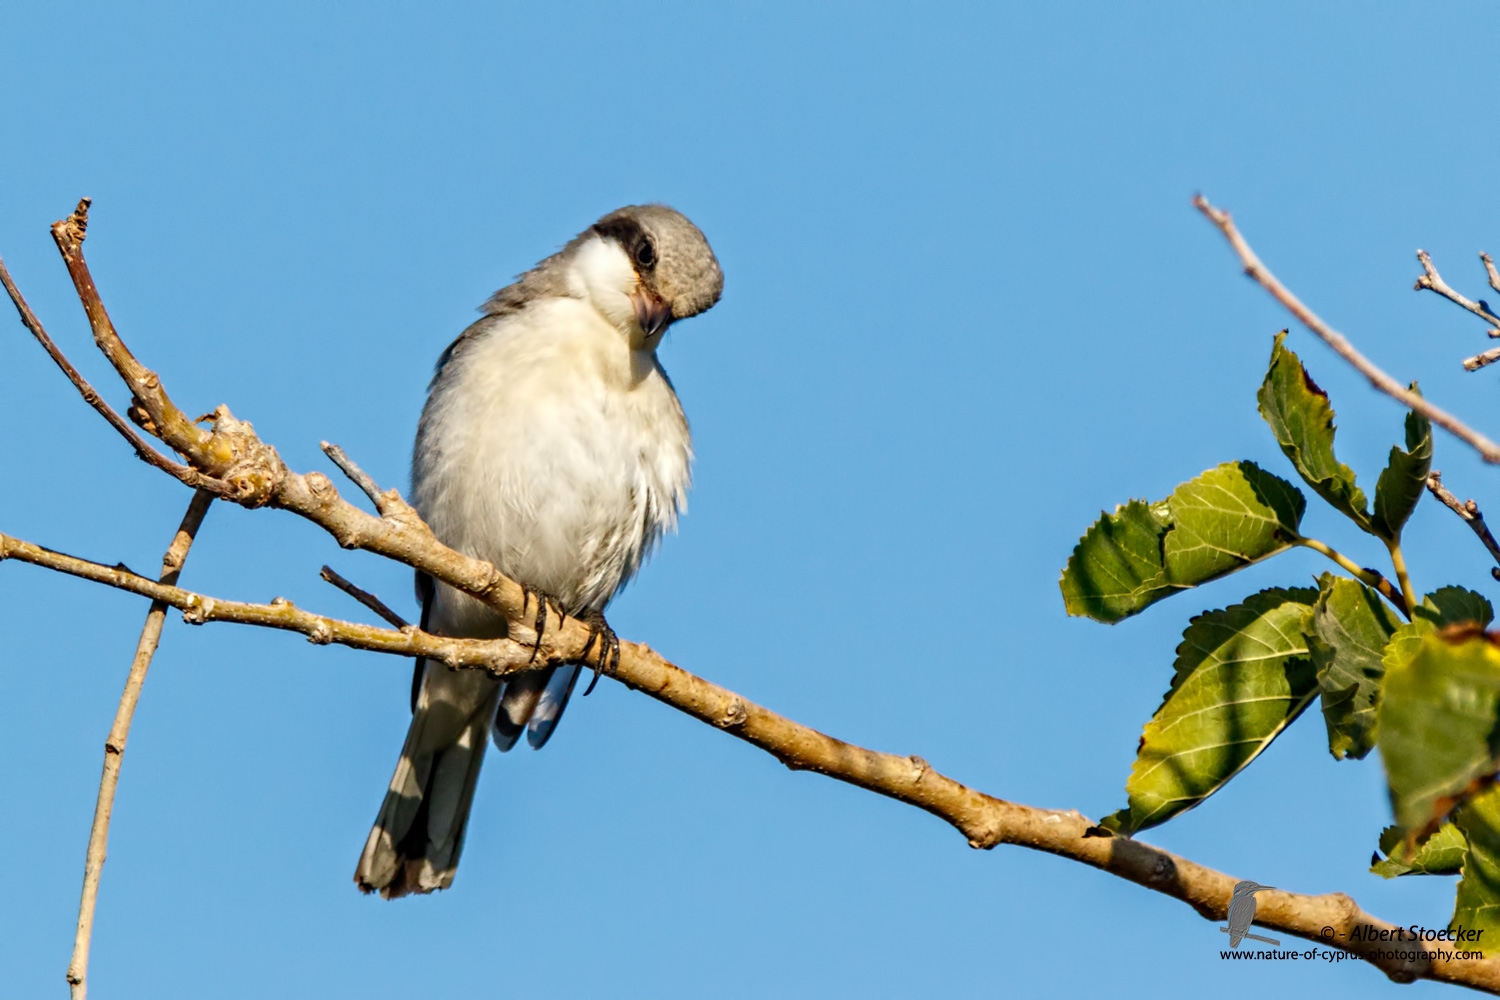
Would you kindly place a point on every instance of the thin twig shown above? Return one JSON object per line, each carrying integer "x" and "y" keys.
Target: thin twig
{"x": 1489, "y": 269}
{"x": 499, "y": 655}
{"x": 382, "y": 499}
{"x": 1488, "y": 450}
{"x": 1469, "y": 511}
{"x": 119, "y": 732}
{"x": 364, "y": 597}
{"x": 1478, "y": 361}
{"x": 68, "y": 234}
{"x": 1369, "y": 577}
{"x": 984, "y": 820}
{"x": 1433, "y": 282}
{"x": 91, "y": 395}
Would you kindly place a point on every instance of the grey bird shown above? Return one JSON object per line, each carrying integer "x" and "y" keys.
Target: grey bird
{"x": 1242, "y": 913}
{"x": 552, "y": 445}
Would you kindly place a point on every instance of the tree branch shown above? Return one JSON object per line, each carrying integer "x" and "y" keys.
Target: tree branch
{"x": 255, "y": 475}
{"x": 985, "y": 821}
{"x": 1483, "y": 358}
{"x": 1488, "y": 450}
{"x": 385, "y": 501}
{"x": 364, "y": 597}
{"x": 1433, "y": 282}
{"x": 1489, "y": 269}
{"x": 1469, "y": 511}
{"x": 91, "y": 396}
{"x": 119, "y": 732}
{"x": 501, "y": 656}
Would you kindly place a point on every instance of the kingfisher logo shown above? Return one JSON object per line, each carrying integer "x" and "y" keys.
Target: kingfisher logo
{"x": 1242, "y": 914}
{"x": 1406, "y": 944}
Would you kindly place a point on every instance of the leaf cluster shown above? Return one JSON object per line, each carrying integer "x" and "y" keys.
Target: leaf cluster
{"x": 1419, "y": 679}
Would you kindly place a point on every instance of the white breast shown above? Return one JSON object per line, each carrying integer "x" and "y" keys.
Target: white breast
{"x": 553, "y": 450}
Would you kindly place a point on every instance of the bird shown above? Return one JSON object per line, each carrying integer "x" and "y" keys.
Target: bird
{"x": 1242, "y": 913}
{"x": 553, "y": 445}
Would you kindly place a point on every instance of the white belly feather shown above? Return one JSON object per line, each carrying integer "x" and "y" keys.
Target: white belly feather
{"x": 553, "y": 450}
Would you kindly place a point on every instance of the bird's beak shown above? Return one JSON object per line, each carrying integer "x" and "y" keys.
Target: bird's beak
{"x": 650, "y": 312}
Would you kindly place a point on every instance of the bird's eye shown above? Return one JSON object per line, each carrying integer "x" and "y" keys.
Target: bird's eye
{"x": 645, "y": 254}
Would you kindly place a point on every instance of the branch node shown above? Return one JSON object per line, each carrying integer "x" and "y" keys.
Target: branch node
{"x": 199, "y": 610}
{"x": 1478, "y": 361}
{"x": 734, "y": 715}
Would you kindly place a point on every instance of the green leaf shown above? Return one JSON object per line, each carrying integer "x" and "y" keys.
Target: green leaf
{"x": 1405, "y": 477}
{"x": 1439, "y": 609}
{"x": 1243, "y": 674}
{"x": 1117, "y": 568}
{"x": 1302, "y": 421}
{"x": 1347, "y": 632}
{"x": 1225, "y": 519}
{"x": 1438, "y": 734}
{"x": 1442, "y": 854}
{"x": 1453, "y": 606}
{"x": 1477, "y": 902}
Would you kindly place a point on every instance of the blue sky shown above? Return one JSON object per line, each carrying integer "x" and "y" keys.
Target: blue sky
{"x": 967, "y": 307}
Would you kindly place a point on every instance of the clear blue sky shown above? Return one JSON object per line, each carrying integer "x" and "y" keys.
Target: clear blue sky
{"x": 967, "y": 306}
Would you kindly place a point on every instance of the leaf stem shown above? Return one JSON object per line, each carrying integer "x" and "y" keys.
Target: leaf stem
{"x": 1368, "y": 577}
{"x": 1398, "y": 563}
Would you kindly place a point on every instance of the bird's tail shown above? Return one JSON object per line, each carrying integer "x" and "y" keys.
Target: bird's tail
{"x": 533, "y": 703}
{"x": 419, "y": 833}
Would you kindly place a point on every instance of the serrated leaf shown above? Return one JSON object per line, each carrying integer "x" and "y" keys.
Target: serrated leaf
{"x": 1477, "y": 902}
{"x": 1227, "y": 518}
{"x": 1218, "y": 522}
{"x": 1117, "y": 567}
{"x": 1443, "y": 607}
{"x": 1347, "y": 632}
{"x": 1405, "y": 477}
{"x": 1243, "y": 675}
{"x": 1438, "y": 735}
{"x": 1454, "y": 606}
{"x": 1300, "y": 417}
{"x": 1442, "y": 854}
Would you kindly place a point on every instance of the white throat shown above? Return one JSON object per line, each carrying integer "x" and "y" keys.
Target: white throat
{"x": 601, "y": 274}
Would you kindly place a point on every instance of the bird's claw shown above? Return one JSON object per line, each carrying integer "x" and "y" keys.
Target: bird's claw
{"x": 607, "y": 658}
{"x": 544, "y": 601}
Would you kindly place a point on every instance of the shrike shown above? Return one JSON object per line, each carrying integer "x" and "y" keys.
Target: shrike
{"x": 553, "y": 446}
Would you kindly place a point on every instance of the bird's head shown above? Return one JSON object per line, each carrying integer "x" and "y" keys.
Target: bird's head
{"x": 645, "y": 266}
{"x": 1248, "y": 888}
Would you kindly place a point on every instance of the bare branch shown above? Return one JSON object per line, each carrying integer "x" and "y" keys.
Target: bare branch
{"x": 91, "y": 396}
{"x": 1469, "y": 511}
{"x": 1489, "y": 269}
{"x": 114, "y": 745}
{"x": 1488, "y": 450}
{"x": 1478, "y": 361}
{"x": 1433, "y": 282}
{"x": 385, "y": 501}
{"x": 985, "y": 821}
{"x": 500, "y": 656}
{"x": 364, "y": 597}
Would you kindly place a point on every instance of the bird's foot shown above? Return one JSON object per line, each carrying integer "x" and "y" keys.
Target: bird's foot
{"x": 544, "y": 601}
{"x": 607, "y": 657}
